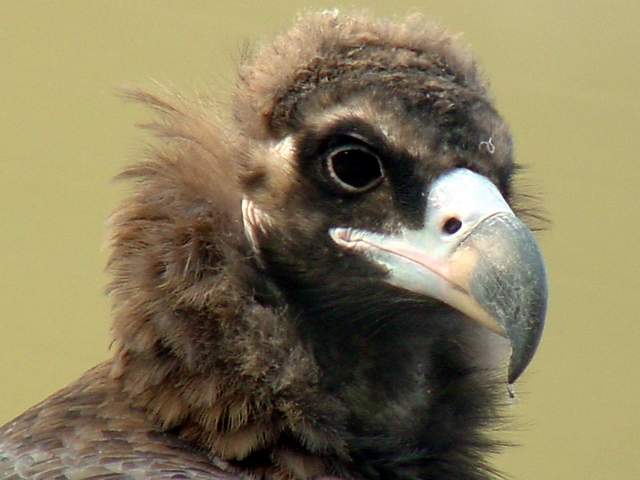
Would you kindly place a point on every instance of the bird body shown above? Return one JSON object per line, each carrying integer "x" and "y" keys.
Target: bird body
{"x": 91, "y": 430}
{"x": 327, "y": 285}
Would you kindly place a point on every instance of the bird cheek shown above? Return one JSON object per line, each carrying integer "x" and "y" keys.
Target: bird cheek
{"x": 256, "y": 223}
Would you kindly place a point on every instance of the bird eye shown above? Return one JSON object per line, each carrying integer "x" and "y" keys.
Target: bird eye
{"x": 354, "y": 168}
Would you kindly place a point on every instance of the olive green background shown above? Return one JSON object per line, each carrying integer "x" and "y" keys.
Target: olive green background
{"x": 565, "y": 75}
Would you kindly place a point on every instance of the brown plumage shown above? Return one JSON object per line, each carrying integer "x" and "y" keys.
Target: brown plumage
{"x": 232, "y": 357}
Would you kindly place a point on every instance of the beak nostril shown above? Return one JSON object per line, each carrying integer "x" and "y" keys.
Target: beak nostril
{"x": 451, "y": 226}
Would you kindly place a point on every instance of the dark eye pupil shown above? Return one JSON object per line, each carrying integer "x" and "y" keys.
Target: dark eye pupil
{"x": 354, "y": 169}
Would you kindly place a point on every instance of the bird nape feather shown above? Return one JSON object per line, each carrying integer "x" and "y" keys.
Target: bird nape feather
{"x": 331, "y": 283}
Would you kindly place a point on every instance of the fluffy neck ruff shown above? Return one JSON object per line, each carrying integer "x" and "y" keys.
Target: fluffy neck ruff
{"x": 193, "y": 346}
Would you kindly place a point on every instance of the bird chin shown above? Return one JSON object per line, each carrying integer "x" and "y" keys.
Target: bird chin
{"x": 493, "y": 350}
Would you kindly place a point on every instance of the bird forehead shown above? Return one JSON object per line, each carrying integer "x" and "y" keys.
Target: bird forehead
{"x": 398, "y": 129}
{"x": 465, "y": 135}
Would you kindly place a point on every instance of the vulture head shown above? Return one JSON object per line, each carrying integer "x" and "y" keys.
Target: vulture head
{"x": 333, "y": 281}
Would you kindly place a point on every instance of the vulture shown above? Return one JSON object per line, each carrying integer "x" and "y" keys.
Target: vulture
{"x": 334, "y": 281}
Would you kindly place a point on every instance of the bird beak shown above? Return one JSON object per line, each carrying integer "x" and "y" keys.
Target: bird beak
{"x": 473, "y": 254}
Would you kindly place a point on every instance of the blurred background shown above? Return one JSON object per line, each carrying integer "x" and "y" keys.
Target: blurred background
{"x": 566, "y": 76}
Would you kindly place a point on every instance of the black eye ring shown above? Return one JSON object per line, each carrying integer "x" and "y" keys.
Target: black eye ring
{"x": 354, "y": 168}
